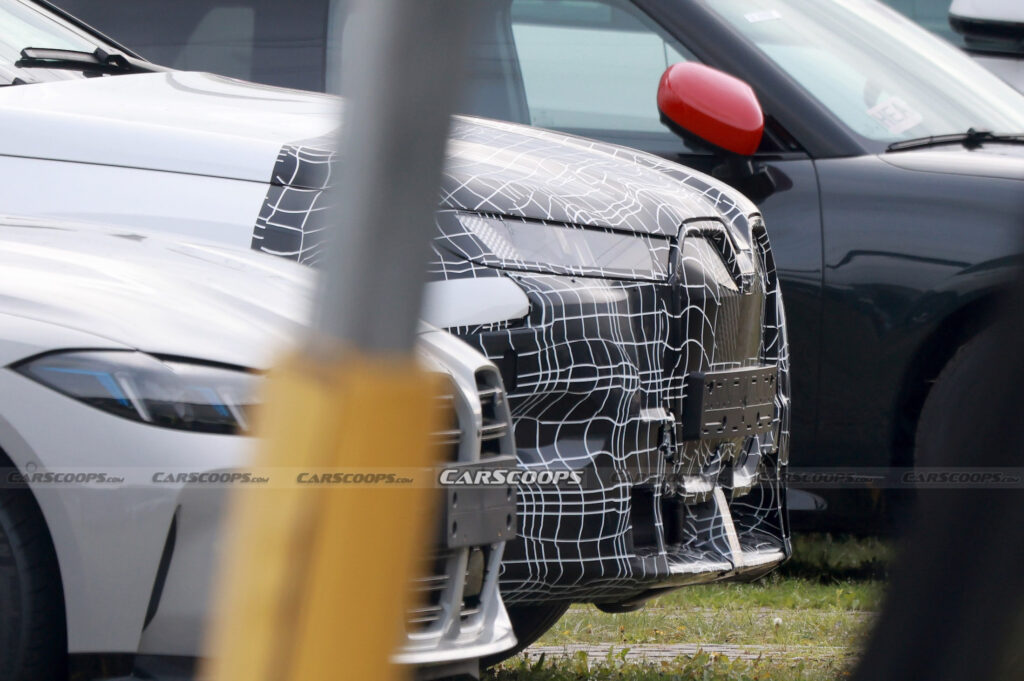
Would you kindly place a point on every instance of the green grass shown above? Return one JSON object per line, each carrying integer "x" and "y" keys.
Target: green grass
{"x": 805, "y": 620}
{"x": 745, "y": 614}
{"x": 825, "y": 558}
{"x": 699, "y": 667}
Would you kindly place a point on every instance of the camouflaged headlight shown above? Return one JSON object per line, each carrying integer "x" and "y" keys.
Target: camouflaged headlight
{"x": 133, "y": 385}
{"x": 536, "y": 246}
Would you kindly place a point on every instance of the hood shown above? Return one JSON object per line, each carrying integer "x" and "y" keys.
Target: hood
{"x": 182, "y": 122}
{"x": 1003, "y": 161}
{"x": 517, "y": 170}
{"x": 203, "y": 124}
{"x": 131, "y": 289}
{"x": 151, "y": 294}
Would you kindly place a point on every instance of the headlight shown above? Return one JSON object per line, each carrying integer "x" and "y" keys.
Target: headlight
{"x": 529, "y": 245}
{"x": 140, "y": 387}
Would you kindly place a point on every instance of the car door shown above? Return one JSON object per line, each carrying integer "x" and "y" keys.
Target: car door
{"x": 591, "y": 68}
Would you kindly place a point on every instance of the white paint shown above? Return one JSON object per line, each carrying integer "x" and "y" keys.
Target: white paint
{"x": 178, "y": 205}
{"x": 179, "y": 122}
{"x": 469, "y": 302}
{"x": 1010, "y": 11}
{"x": 766, "y": 15}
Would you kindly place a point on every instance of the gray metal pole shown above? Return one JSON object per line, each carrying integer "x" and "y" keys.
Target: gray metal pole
{"x": 404, "y": 59}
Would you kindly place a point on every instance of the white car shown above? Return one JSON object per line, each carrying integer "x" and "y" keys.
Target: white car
{"x": 993, "y": 32}
{"x": 128, "y": 364}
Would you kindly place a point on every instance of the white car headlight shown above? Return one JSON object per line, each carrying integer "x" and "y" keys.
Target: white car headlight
{"x": 534, "y": 246}
{"x": 134, "y": 385}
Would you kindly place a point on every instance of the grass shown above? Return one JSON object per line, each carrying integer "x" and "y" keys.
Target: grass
{"x": 805, "y": 621}
{"x": 744, "y": 614}
{"x": 700, "y": 667}
{"x": 828, "y": 559}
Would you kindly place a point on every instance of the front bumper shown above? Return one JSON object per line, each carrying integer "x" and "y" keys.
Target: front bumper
{"x": 137, "y": 556}
{"x": 110, "y": 537}
{"x": 598, "y": 377}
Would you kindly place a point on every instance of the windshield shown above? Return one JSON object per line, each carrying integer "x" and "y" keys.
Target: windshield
{"x": 22, "y": 25}
{"x": 883, "y": 76}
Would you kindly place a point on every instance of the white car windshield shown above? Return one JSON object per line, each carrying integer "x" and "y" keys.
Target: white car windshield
{"x": 884, "y": 77}
{"x": 24, "y": 24}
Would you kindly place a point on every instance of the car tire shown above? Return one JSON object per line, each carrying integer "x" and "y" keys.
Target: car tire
{"x": 33, "y": 639}
{"x": 943, "y": 400}
{"x": 529, "y": 622}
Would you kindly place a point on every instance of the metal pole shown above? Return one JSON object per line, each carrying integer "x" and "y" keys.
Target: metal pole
{"x": 314, "y": 583}
{"x": 401, "y": 92}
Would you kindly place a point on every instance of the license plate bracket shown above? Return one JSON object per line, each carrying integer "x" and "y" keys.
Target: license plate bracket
{"x": 479, "y": 515}
{"x": 729, "y": 403}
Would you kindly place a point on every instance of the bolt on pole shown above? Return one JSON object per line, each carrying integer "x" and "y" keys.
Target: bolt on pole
{"x": 314, "y": 584}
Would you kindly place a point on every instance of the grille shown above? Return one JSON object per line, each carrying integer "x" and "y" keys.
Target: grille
{"x": 429, "y": 590}
{"x": 436, "y": 594}
{"x": 429, "y": 594}
{"x": 440, "y": 598}
{"x": 449, "y": 438}
{"x": 494, "y": 409}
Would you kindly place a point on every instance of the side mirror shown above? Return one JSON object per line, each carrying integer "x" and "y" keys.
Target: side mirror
{"x": 697, "y": 101}
{"x": 989, "y": 27}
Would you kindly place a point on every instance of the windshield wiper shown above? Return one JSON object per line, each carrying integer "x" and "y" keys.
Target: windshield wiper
{"x": 971, "y": 139}
{"x": 99, "y": 60}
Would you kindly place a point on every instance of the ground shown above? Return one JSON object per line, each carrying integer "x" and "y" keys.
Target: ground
{"x": 805, "y": 621}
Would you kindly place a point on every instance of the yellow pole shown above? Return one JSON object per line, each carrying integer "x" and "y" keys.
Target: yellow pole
{"x": 315, "y": 580}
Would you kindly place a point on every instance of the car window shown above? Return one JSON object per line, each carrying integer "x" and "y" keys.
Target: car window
{"x": 23, "y": 25}
{"x": 588, "y": 67}
{"x": 266, "y": 41}
{"x": 222, "y": 42}
{"x": 590, "y": 64}
{"x": 884, "y": 77}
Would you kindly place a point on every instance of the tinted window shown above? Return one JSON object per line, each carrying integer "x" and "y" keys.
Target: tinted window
{"x": 267, "y": 41}
{"x": 221, "y": 42}
{"x": 23, "y": 24}
{"x": 590, "y": 65}
{"x": 583, "y": 66}
{"x": 884, "y": 77}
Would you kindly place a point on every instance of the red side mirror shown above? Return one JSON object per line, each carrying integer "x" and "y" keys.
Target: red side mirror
{"x": 700, "y": 101}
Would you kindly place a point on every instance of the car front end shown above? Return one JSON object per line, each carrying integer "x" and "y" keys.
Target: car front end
{"x": 131, "y": 370}
{"x": 653, "y": 361}
{"x": 633, "y": 309}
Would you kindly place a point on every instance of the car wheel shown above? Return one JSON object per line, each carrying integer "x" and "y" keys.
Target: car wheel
{"x": 33, "y": 640}
{"x": 529, "y": 622}
{"x": 944, "y": 399}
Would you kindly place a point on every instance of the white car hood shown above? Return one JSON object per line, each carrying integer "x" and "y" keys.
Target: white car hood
{"x": 153, "y": 294}
{"x": 117, "y": 288}
{"x": 183, "y": 122}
